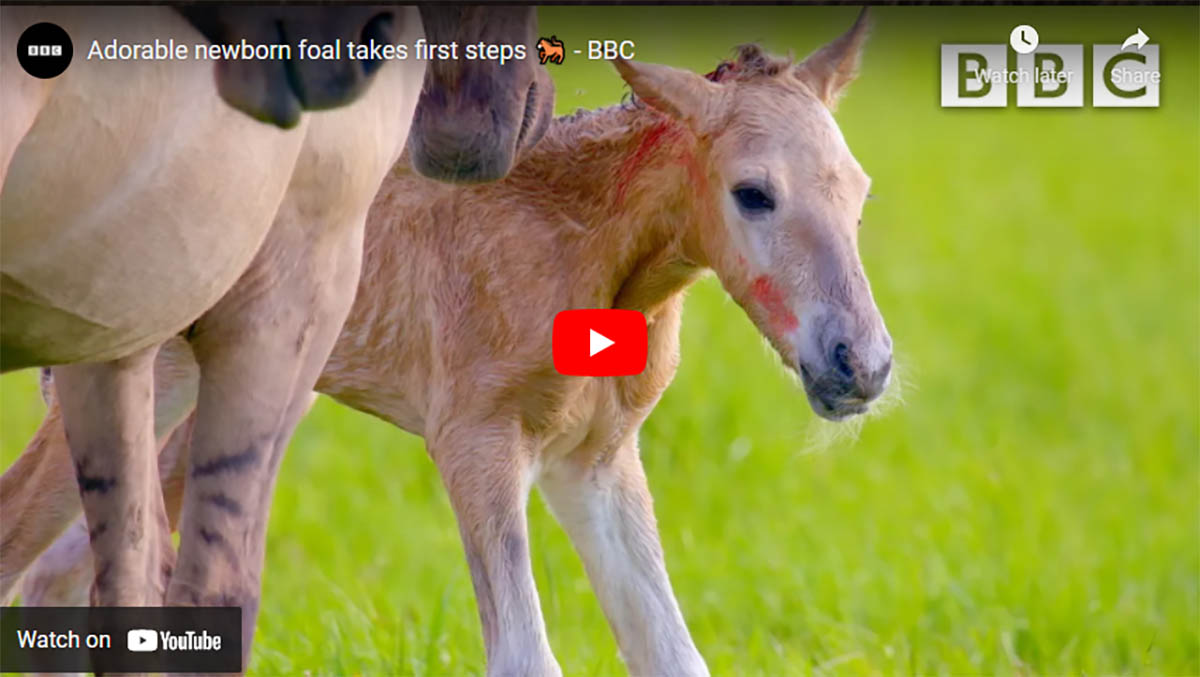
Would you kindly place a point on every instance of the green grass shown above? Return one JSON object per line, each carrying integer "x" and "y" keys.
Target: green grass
{"x": 1033, "y": 506}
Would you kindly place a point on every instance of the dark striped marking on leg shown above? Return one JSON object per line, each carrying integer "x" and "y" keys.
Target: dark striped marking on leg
{"x": 101, "y": 579}
{"x": 100, "y": 485}
{"x": 227, "y": 463}
{"x": 216, "y": 540}
{"x": 225, "y": 502}
{"x": 93, "y": 534}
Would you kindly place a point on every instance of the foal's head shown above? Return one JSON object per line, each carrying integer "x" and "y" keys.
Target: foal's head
{"x": 779, "y": 209}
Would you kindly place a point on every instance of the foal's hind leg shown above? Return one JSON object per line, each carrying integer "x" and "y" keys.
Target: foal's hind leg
{"x": 108, "y": 411}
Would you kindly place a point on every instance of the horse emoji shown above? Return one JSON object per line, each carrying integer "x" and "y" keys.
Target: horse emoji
{"x": 551, "y": 50}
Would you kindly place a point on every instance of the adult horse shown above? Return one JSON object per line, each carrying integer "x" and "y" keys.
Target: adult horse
{"x": 134, "y": 202}
{"x": 163, "y": 120}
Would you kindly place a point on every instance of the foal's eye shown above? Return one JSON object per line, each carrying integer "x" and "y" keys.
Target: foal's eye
{"x": 753, "y": 200}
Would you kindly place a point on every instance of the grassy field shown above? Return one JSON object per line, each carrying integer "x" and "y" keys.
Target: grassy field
{"x": 1033, "y": 506}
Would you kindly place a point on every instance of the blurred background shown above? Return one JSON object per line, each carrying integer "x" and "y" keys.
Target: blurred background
{"x": 1031, "y": 506}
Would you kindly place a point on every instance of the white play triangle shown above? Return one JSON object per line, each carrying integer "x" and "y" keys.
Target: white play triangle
{"x": 597, "y": 342}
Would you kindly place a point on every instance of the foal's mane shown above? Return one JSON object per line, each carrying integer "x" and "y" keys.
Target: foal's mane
{"x": 750, "y": 61}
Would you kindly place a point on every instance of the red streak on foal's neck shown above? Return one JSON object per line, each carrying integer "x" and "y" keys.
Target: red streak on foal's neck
{"x": 766, "y": 293}
{"x": 667, "y": 141}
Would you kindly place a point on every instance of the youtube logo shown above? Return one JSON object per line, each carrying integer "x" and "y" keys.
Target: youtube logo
{"x": 599, "y": 342}
{"x": 141, "y": 640}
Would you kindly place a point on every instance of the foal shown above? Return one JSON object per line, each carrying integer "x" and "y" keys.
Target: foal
{"x": 745, "y": 174}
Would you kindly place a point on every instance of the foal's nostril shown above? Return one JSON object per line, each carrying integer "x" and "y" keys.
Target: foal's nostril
{"x": 379, "y": 29}
{"x": 841, "y": 360}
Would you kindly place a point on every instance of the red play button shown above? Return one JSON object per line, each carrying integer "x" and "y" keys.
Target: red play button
{"x": 599, "y": 342}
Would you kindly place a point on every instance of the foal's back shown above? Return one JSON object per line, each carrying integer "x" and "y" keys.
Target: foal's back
{"x": 459, "y": 289}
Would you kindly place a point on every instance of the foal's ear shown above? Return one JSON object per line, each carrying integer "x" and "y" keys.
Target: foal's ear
{"x": 829, "y": 69}
{"x": 674, "y": 91}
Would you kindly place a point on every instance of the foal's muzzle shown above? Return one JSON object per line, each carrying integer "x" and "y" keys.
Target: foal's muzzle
{"x": 848, "y": 381}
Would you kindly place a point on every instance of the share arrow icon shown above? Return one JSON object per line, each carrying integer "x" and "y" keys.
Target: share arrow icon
{"x": 1138, "y": 39}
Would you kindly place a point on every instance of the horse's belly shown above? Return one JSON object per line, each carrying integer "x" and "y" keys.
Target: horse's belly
{"x": 135, "y": 201}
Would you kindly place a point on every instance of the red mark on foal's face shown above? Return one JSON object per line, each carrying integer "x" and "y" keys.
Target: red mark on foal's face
{"x": 766, "y": 293}
{"x": 667, "y": 141}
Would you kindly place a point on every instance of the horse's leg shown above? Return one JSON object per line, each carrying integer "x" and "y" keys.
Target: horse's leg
{"x": 38, "y": 499}
{"x": 62, "y": 574}
{"x": 108, "y": 412}
{"x": 606, "y": 509}
{"x": 172, "y": 469}
{"x": 176, "y": 386}
{"x": 486, "y": 472}
{"x": 39, "y": 496}
{"x": 260, "y": 351}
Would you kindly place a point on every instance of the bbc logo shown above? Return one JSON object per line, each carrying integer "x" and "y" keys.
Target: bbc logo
{"x": 1051, "y": 76}
{"x": 45, "y": 50}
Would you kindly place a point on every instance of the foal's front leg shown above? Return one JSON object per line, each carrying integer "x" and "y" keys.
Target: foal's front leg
{"x": 486, "y": 472}
{"x": 108, "y": 412}
{"x": 606, "y": 509}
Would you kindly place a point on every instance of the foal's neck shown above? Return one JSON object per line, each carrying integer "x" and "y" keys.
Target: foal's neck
{"x": 635, "y": 178}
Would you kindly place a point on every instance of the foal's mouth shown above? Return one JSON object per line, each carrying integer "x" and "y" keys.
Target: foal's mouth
{"x": 828, "y": 400}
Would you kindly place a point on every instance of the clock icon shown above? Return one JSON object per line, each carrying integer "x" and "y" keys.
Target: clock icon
{"x": 1024, "y": 39}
